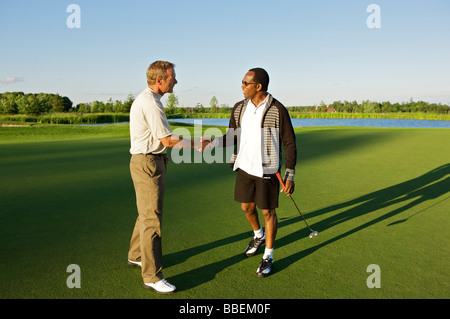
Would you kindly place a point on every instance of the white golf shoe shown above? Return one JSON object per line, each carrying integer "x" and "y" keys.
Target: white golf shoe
{"x": 161, "y": 287}
{"x": 134, "y": 263}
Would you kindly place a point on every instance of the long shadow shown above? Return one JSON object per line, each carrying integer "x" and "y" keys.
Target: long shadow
{"x": 181, "y": 256}
{"x": 421, "y": 186}
{"x": 198, "y": 276}
{"x": 428, "y": 186}
{"x": 203, "y": 274}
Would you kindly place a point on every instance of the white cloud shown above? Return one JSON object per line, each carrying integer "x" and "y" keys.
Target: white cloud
{"x": 13, "y": 79}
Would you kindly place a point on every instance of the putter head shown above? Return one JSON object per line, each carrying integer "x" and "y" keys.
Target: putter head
{"x": 313, "y": 234}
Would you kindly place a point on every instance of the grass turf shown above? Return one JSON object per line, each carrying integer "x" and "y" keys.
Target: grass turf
{"x": 376, "y": 196}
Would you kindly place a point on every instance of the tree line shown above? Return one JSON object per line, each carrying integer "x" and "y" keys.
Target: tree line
{"x": 34, "y": 104}
{"x": 109, "y": 106}
{"x": 44, "y": 103}
{"x": 172, "y": 107}
{"x": 376, "y": 107}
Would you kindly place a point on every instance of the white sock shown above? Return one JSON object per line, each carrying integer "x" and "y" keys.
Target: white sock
{"x": 268, "y": 253}
{"x": 259, "y": 233}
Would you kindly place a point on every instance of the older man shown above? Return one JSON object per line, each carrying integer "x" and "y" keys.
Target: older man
{"x": 150, "y": 136}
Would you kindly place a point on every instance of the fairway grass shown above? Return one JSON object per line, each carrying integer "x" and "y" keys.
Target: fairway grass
{"x": 376, "y": 195}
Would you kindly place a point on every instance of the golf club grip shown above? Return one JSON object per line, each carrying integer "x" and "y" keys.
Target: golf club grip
{"x": 279, "y": 178}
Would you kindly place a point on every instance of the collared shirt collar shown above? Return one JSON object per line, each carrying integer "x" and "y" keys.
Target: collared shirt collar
{"x": 262, "y": 103}
{"x": 156, "y": 94}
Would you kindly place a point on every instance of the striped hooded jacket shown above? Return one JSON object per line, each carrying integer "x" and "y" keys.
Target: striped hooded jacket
{"x": 277, "y": 131}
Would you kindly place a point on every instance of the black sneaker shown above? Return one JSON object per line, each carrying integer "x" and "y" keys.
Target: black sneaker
{"x": 265, "y": 267}
{"x": 254, "y": 245}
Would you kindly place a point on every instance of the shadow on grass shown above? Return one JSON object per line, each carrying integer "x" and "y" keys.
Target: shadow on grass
{"x": 426, "y": 187}
{"x": 198, "y": 276}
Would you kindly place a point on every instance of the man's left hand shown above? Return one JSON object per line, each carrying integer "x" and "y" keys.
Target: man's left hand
{"x": 288, "y": 187}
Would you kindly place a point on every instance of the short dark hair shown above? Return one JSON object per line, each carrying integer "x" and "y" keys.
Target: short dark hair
{"x": 261, "y": 77}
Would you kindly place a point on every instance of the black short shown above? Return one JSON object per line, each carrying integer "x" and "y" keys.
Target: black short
{"x": 262, "y": 191}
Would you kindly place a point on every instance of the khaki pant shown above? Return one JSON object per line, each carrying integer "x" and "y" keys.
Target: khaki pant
{"x": 149, "y": 174}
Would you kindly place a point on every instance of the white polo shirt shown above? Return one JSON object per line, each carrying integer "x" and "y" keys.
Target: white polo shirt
{"x": 148, "y": 123}
{"x": 249, "y": 157}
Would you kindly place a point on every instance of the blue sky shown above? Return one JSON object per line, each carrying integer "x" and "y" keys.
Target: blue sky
{"x": 314, "y": 51}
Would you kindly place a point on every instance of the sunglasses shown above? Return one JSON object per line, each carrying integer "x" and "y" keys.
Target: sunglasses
{"x": 247, "y": 83}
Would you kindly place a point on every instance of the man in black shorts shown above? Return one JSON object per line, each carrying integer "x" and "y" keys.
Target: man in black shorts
{"x": 259, "y": 125}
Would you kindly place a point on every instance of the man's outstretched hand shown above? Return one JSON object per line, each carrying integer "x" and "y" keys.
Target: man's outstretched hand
{"x": 202, "y": 143}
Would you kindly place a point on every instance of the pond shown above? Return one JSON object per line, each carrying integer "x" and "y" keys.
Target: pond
{"x": 335, "y": 122}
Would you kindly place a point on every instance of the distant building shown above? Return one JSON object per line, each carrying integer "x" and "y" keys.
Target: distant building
{"x": 327, "y": 110}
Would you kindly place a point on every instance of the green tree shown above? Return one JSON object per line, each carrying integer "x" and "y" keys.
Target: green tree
{"x": 83, "y": 108}
{"x": 97, "y": 107}
{"x": 8, "y": 104}
{"x": 45, "y": 101}
{"x": 213, "y": 104}
{"x": 386, "y": 107}
{"x": 117, "y": 106}
{"x": 21, "y": 102}
{"x": 224, "y": 108}
{"x": 109, "y": 106}
{"x": 369, "y": 107}
{"x": 172, "y": 103}
{"x": 199, "y": 108}
{"x": 56, "y": 102}
{"x": 34, "y": 106}
{"x": 67, "y": 104}
{"x": 126, "y": 105}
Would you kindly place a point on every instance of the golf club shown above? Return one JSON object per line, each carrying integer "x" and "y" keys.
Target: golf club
{"x": 314, "y": 233}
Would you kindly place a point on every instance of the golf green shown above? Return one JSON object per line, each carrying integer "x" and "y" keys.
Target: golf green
{"x": 377, "y": 196}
